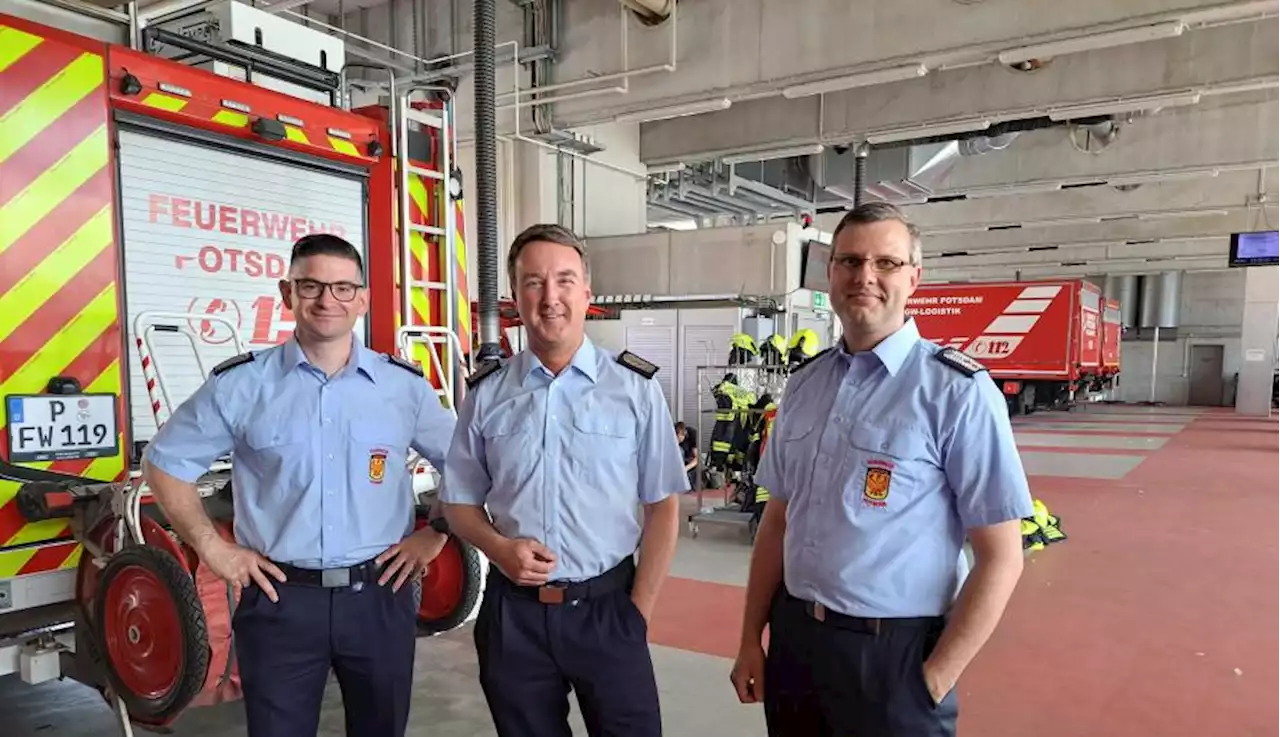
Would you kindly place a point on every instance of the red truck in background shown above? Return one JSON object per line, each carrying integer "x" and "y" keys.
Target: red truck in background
{"x": 1045, "y": 342}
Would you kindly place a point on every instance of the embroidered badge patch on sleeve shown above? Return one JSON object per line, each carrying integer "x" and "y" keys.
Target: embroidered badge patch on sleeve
{"x": 377, "y": 465}
{"x": 875, "y": 488}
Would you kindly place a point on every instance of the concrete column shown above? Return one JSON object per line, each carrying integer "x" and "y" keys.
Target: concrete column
{"x": 1258, "y": 336}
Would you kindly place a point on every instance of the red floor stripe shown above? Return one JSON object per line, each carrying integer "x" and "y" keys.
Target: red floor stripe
{"x": 1085, "y": 451}
{"x": 1093, "y": 433}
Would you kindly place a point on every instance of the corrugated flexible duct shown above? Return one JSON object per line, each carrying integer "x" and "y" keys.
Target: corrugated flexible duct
{"x": 486, "y": 181}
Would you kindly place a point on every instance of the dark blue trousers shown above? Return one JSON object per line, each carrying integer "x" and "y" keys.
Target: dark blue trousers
{"x": 827, "y": 680}
{"x": 365, "y": 633}
{"x": 532, "y": 654}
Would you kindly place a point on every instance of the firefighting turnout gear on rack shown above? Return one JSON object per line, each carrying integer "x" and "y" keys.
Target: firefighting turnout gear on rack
{"x": 773, "y": 352}
{"x": 742, "y": 349}
{"x": 1041, "y": 528}
{"x": 803, "y": 346}
{"x": 729, "y": 436}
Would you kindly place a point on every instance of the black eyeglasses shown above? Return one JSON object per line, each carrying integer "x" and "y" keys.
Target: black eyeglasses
{"x": 343, "y": 291}
{"x": 879, "y": 264}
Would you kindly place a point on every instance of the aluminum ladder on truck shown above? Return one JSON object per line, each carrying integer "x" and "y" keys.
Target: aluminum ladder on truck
{"x": 419, "y": 340}
{"x": 145, "y": 325}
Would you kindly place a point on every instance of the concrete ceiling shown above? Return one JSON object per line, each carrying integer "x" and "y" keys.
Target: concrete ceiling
{"x": 1190, "y": 85}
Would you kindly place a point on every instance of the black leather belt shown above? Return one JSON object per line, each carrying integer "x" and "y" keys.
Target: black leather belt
{"x": 618, "y": 578}
{"x": 332, "y": 578}
{"x": 867, "y": 625}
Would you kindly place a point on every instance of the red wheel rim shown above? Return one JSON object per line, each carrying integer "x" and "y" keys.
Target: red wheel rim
{"x": 142, "y": 633}
{"x": 104, "y": 536}
{"x": 442, "y": 584}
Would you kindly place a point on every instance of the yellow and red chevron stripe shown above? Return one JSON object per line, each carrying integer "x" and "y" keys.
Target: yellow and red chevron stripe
{"x": 59, "y": 304}
{"x": 237, "y": 120}
{"x": 57, "y": 556}
{"x": 196, "y": 97}
{"x": 460, "y": 278}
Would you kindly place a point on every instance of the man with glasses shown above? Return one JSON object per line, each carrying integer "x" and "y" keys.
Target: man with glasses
{"x": 886, "y": 453}
{"x": 320, "y": 428}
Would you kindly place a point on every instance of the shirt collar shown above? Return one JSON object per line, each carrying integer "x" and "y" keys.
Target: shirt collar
{"x": 894, "y": 349}
{"x": 584, "y": 360}
{"x": 362, "y": 359}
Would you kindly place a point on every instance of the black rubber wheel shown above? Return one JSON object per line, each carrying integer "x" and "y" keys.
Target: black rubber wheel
{"x": 151, "y": 632}
{"x": 450, "y": 588}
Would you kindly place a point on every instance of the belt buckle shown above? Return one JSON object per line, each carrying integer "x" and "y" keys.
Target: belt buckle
{"x": 819, "y": 611}
{"x": 332, "y": 578}
{"x": 551, "y": 594}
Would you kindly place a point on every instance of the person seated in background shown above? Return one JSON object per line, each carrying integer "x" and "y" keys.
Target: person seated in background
{"x": 688, "y": 441}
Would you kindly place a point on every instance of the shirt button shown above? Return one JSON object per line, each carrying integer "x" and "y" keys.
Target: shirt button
{"x": 327, "y": 421}
{"x": 331, "y": 456}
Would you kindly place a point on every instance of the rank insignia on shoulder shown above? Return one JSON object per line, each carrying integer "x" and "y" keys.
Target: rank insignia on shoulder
{"x": 412, "y": 368}
{"x": 810, "y": 359}
{"x": 231, "y": 363}
{"x": 637, "y": 364}
{"x": 960, "y": 361}
{"x": 482, "y": 372}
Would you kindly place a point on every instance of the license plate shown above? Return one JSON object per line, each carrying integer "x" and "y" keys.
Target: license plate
{"x": 54, "y": 427}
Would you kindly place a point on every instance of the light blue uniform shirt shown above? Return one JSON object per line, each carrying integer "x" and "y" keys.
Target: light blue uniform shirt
{"x": 885, "y": 458}
{"x": 319, "y": 466}
{"x": 566, "y": 460}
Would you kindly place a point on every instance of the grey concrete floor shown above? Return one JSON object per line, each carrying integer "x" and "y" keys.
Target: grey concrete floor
{"x": 694, "y": 688}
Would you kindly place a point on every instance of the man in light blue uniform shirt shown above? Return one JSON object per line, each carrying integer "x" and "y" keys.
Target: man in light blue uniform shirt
{"x": 564, "y": 444}
{"x": 320, "y": 428}
{"x": 888, "y": 451}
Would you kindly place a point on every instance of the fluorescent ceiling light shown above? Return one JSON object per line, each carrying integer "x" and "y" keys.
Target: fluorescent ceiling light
{"x": 1117, "y": 107}
{"x": 675, "y": 111}
{"x": 667, "y": 168}
{"x": 850, "y": 81}
{"x": 927, "y": 131}
{"x": 1247, "y": 85}
{"x": 1005, "y": 190}
{"x": 1161, "y": 176}
{"x": 1061, "y": 221}
{"x": 1092, "y": 42}
{"x": 1174, "y": 214}
{"x": 775, "y": 153}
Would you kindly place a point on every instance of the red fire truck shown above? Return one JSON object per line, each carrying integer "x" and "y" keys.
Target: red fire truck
{"x": 147, "y": 209}
{"x": 1047, "y": 343}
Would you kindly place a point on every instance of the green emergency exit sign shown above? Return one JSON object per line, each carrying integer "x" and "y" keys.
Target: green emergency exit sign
{"x": 820, "y": 301}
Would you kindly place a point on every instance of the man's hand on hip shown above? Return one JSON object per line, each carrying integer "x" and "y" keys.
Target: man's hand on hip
{"x": 240, "y": 566}
{"x": 411, "y": 556}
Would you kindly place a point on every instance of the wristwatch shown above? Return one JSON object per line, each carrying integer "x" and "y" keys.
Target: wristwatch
{"x": 440, "y": 525}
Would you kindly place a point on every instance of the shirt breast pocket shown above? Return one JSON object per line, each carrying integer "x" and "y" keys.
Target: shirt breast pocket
{"x": 277, "y": 455}
{"x": 890, "y": 466}
{"x": 799, "y": 446}
{"x": 605, "y": 445}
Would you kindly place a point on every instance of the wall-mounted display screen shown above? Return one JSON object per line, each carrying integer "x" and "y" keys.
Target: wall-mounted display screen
{"x": 1259, "y": 248}
{"x": 814, "y": 271}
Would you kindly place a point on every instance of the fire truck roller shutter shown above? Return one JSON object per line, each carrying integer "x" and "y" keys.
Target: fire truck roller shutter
{"x": 207, "y": 227}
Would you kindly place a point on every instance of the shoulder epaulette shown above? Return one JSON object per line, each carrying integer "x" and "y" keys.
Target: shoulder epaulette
{"x": 231, "y": 363}
{"x": 811, "y": 359}
{"x": 637, "y": 364}
{"x": 485, "y": 370}
{"x": 960, "y": 361}
{"x": 412, "y": 368}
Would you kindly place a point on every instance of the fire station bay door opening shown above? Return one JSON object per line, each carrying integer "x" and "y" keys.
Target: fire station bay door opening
{"x": 209, "y": 231}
